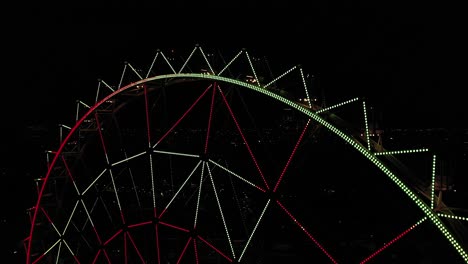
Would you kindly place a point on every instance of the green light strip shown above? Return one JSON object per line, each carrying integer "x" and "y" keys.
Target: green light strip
{"x": 453, "y": 217}
{"x": 401, "y": 152}
{"x": 366, "y": 124}
{"x": 433, "y": 180}
{"x": 314, "y": 115}
{"x": 337, "y": 105}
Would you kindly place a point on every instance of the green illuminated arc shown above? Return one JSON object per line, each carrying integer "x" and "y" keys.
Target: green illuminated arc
{"x": 362, "y": 149}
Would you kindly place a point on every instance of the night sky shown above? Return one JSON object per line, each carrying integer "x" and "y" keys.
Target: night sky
{"x": 404, "y": 59}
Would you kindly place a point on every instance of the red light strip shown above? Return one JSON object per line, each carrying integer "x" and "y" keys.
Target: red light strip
{"x": 184, "y": 250}
{"x": 390, "y": 243}
{"x": 182, "y": 117}
{"x": 195, "y": 250}
{"x": 135, "y": 247}
{"x": 175, "y": 227}
{"x": 307, "y": 233}
{"x": 243, "y": 138}
{"x": 214, "y": 248}
{"x": 291, "y": 156}
{"x": 158, "y": 252}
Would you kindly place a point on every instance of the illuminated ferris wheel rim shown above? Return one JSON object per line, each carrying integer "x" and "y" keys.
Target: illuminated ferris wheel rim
{"x": 314, "y": 115}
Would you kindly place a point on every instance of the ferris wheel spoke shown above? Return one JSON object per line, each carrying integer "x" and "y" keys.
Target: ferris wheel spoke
{"x": 386, "y": 245}
{"x": 230, "y": 62}
{"x": 236, "y": 175}
{"x": 184, "y": 250}
{"x": 169, "y": 165}
{"x": 183, "y": 116}
{"x": 243, "y": 138}
{"x": 215, "y": 192}
{"x": 217, "y": 250}
{"x": 254, "y": 229}
{"x": 132, "y": 241}
{"x": 292, "y": 154}
{"x": 180, "y": 188}
{"x": 188, "y": 59}
{"x": 147, "y": 117}
{"x": 199, "y": 195}
{"x": 306, "y": 232}
{"x": 69, "y": 173}
{"x": 195, "y": 250}
{"x": 127, "y": 159}
{"x": 210, "y": 118}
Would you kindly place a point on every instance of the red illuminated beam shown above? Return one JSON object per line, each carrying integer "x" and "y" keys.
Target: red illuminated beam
{"x": 291, "y": 156}
{"x": 392, "y": 241}
{"x": 307, "y": 233}
{"x": 243, "y": 137}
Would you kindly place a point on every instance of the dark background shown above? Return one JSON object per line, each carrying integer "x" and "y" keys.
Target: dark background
{"x": 405, "y": 59}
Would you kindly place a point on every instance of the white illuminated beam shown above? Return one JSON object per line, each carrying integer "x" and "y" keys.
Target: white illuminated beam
{"x": 176, "y": 153}
{"x": 188, "y": 59}
{"x": 153, "y": 188}
{"x": 167, "y": 61}
{"x": 252, "y": 67}
{"x": 199, "y": 195}
{"x": 152, "y": 63}
{"x": 220, "y": 210}
{"x": 134, "y": 70}
{"x": 233, "y": 173}
{"x": 128, "y": 158}
{"x": 78, "y": 103}
{"x": 305, "y": 87}
{"x": 255, "y": 229}
{"x": 433, "y": 180}
{"x": 230, "y": 62}
{"x": 181, "y": 187}
{"x": 206, "y": 60}
{"x": 279, "y": 77}
{"x": 337, "y": 105}
{"x": 401, "y": 151}
{"x": 95, "y": 180}
{"x": 366, "y": 125}
{"x": 453, "y": 217}
{"x": 122, "y": 75}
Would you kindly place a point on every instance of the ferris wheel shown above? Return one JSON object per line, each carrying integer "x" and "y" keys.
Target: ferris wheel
{"x": 221, "y": 158}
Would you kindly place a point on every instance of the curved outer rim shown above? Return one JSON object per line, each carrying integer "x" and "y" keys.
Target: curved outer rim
{"x": 428, "y": 212}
